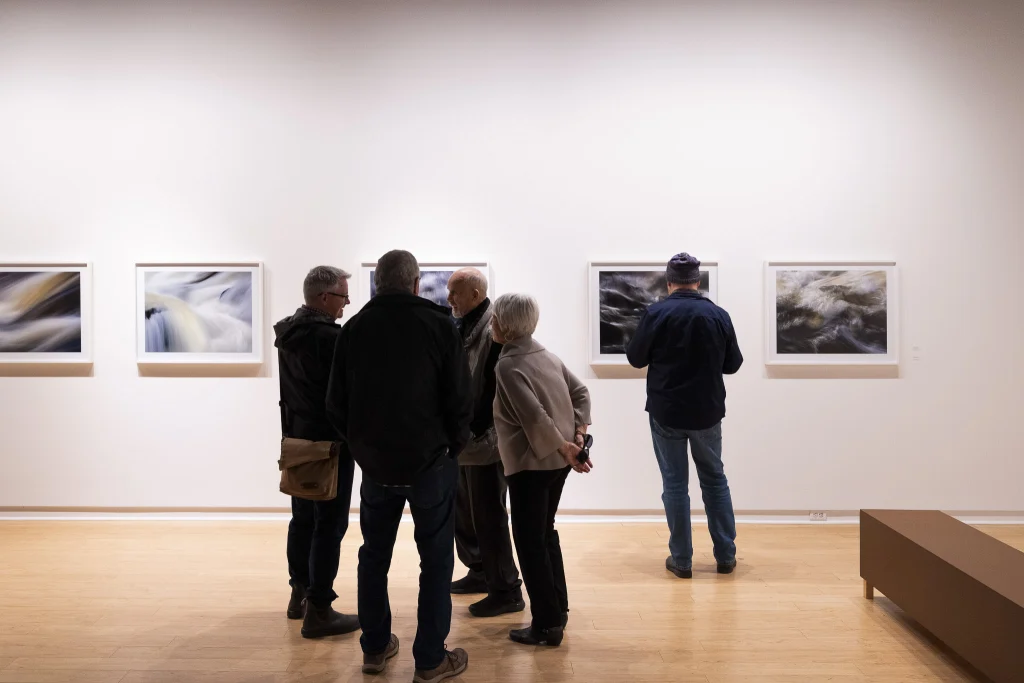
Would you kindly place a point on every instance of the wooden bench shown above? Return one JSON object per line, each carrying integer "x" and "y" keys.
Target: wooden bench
{"x": 961, "y": 584}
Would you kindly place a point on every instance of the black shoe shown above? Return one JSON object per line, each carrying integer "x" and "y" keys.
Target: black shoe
{"x": 469, "y": 584}
{"x": 671, "y": 565}
{"x": 496, "y": 605}
{"x": 727, "y": 568}
{"x": 321, "y": 622}
{"x": 297, "y": 604}
{"x": 540, "y": 636}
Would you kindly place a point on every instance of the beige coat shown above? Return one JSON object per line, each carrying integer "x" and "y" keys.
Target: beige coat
{"x": 537, "y": 407}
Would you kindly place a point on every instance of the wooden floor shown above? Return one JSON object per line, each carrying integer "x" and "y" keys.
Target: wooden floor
{"x": 149, "y": 602}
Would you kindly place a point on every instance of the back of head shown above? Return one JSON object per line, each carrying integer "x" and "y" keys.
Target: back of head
{"x": 683, "y": 270}
{"x": 517, "y": 315}
{"x": 396, "y": 273}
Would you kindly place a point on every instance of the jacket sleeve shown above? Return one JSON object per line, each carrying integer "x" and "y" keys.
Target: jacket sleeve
{"x": 337, "y": 393}
{"x": 733, "y": 357}
{"x": 521, "y": 402}
{"x": 456, "y": 392}
{"x": 638, "y": 351}
{"x": 483, "y": 414}
{"x": 580, "y": 396}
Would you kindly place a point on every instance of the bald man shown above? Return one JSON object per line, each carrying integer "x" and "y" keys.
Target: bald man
{"x": 481, "y": 517}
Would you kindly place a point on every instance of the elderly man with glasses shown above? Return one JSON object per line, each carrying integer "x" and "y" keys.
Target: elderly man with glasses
{"x": 305, "y": 344}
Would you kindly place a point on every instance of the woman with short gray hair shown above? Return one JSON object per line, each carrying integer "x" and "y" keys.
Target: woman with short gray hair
{"x": 541, "y": 413}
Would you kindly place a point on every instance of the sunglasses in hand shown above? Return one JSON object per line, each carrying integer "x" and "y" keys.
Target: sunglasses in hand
{"x": 584, "y": 454}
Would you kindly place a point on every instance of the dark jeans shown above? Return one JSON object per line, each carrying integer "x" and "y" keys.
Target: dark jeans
{"x": 432, "y": 501}
{"x": 706, "y": 447}
{"x": 481, "y": 528}
{"x": 314, "y": 538}
{"x": 535, "y": 496}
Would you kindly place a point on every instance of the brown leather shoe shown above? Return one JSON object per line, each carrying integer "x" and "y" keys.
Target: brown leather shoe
{"x": 376, "y": 664}
{"x": 455, "y": 662}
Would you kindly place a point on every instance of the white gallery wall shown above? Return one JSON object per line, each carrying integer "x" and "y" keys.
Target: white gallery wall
{"x": 537, "y": 138}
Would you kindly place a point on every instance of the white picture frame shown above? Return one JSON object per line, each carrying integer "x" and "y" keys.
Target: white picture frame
{"x": 868, "y": 328}
{"x": 599, "y": 353}
{"x": 53, "y": 331}
{"x": 427, "y": 285}
{"x": 231, "y": 329}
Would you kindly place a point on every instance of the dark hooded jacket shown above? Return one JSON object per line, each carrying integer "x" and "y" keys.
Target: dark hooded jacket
{"x": 305, "y": 349}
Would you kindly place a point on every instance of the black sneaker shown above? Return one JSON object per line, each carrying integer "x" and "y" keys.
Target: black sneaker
{"x": 671, "y": 565}
{"x": 727, "y": 568}
{"x": 469, "y": 584}
{"x": 297, "y": 604}
{"x": 496, "y": 605}
{"x": 321, "y": 622}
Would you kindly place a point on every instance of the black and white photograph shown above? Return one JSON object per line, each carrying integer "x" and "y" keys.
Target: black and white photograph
{"x": 620, "y": 294}
{"x": 831, "y": 314}
{"x": 433, "y": 280}
{"x": 433, "y": 285}
{"x": 190, "y": 314}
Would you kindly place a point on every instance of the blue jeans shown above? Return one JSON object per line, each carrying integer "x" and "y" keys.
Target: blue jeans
{"x": 706, "y": 445}
{"x": 432, "y": 501}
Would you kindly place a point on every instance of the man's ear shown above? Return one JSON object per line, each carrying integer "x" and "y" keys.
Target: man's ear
{"x": 416, "y": 287}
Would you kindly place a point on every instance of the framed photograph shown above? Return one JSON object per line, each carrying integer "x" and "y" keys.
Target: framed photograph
{"x": 45, "y": 313}
{"x": 832, "y": 313}
{"x": 199, "y": 313}
{"x": 619, "y": 293}
{"x": 433, "y": 280}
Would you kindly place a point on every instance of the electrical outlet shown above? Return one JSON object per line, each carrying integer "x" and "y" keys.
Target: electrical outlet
{"x": 819, "y": 516}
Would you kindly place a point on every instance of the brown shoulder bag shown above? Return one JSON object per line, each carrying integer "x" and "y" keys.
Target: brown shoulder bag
{"x": 309, "y": 469}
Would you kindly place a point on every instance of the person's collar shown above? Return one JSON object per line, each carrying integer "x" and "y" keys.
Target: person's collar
{"x": 521, "y": 347}
{"x": 690, "y": 293}
{"x": 313, "y": 310}
{"x": 471, "y": 318}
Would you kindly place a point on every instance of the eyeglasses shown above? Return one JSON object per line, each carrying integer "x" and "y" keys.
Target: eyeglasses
{"x": 340, "y": 296}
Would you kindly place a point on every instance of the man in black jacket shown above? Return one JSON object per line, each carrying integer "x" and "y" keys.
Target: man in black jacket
{"x": 689, "y": 343}
{"x": 400, "y": 397}
{"x": 305, "y": 343}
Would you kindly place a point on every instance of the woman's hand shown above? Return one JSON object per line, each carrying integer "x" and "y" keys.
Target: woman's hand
{"x": 581, "y": 436}
{"x": 569, "y": 452}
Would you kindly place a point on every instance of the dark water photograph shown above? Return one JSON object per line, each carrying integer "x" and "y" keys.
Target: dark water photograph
{"x": 433, "y": 285}
{"x": 198, "y": 312}
{"x": 623, "y": 297}
{"x": 40, "y": 312}
{"x": 831, "y": 312}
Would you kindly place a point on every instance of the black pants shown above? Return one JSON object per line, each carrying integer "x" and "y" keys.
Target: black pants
{"x": 314, "y": 538}
{"x": 432, "y": 501}
{"x": 481, "y": 528}
{"x": 535, "y": 496}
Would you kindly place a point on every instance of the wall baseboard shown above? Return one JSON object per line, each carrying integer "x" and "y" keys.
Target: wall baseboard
{"x": 579, "y": 516}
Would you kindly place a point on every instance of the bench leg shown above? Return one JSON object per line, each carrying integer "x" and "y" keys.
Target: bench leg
{"x": 869, "y": 591}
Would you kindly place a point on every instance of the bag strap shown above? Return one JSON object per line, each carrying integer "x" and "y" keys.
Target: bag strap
{"x": 284, "y": 406}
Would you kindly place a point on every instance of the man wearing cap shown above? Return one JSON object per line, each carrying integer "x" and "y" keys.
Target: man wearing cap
{"x": 688, "y": 343}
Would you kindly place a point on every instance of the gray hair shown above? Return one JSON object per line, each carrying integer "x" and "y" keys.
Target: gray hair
{"x": 397, "y": 271}
{"x": 322, "y": 279}
{"x": 517, "y": 315}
